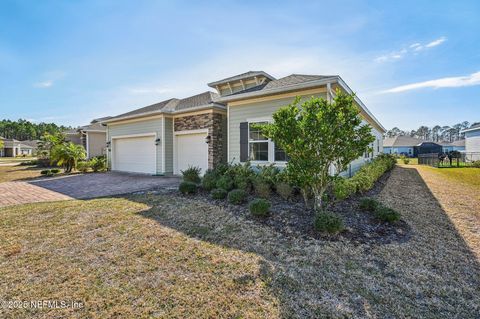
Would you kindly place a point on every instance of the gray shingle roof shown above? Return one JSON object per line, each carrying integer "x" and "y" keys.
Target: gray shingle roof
{"x": 399, "y": 141}
{"x": 237, "y": 77}
{"x": 201, "y": 99}
{"x": 172, "y": 105}
{"x": 475, "y": 126}
{"x": 96, "y": 126}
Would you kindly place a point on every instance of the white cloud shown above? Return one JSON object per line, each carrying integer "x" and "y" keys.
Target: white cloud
{"x": 43, "y": 85}
{"x": 436, "y": 42}
{"x": 449, "y": 82}
{"x": 412, "y": 48}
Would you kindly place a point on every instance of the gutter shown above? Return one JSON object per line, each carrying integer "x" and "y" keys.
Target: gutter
{"x": 160, "y": 112}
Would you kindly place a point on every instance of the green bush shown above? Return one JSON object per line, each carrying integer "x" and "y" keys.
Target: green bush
{"x": 225, "y": 182}
{"x": 476, "y": 164}
{"x": 45, "y": 172}
{"x": 188, "y": 187}
{"x": 192, "y": 174}
{"x": 259, "y": 207}
{"x": 343, "y": 188}
{"x": 218, "y": 193}
{"x": 386, "y": 214}
{"x": 98, "y": 163}
{"x": 209, "y": 180}
{"x": 237, "y": 196}
{"x": 327, "y": 222}
{"x": 83, "y": 166}
{"x": 55, "y": 170}
{"x": 284, "y": 190}
{"x": 406, "y": 160}
{"x": 262, "y": 187}
{"x": 268, "y": 174}
{"x": 368, "y": 204}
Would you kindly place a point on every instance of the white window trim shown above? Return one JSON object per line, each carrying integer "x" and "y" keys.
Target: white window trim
{"x": 271, "y": 145}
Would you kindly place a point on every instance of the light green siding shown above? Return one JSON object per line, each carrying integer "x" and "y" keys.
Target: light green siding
{"x": 168, "y": 140}
{"x": 140, "y": 127}
{"x": 244, "y": 112}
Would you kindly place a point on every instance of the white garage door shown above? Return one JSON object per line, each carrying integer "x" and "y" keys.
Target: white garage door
{"x": 134, "y": 154}
{"x": 191, "y": 150}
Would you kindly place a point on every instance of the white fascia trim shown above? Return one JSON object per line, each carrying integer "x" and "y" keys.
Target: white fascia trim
{"x": 203, "y": 130}
{"x": 363, "y": 106}
{"x": 163, "y": 144}
{"x": 134, "y": 135}
{"x": 146, "y": 114}
{"x": 94, "y": 131}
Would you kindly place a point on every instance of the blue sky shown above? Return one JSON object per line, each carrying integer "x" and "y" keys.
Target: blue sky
{"x": 411, "y": 62}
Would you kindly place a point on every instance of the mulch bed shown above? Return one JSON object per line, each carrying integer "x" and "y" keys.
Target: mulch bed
{"x": 292, "y": 219}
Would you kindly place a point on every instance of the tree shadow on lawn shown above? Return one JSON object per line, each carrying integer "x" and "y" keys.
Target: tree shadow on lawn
{"x": 433, "y": 275}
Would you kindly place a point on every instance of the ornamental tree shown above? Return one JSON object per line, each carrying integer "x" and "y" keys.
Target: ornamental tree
{"x": 321, "y": 139}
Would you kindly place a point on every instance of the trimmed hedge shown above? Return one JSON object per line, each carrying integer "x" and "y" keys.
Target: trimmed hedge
{"x": 365, "y": 178}
{"x": 237, "y": 196}
{"x": 259, "y": 207}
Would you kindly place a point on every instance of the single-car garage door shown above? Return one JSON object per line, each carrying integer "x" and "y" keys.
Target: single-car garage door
{"x": 191, "y": 150}
{"x": 134, "y": 154}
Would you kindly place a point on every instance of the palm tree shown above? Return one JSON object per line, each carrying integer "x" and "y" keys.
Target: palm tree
{"x": 68, "y": 155}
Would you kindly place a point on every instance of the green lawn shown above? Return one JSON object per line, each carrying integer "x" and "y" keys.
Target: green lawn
{"x": 464, "y": 175}
{"x": 170, "y": 256}
{"x": 412, "y": 161}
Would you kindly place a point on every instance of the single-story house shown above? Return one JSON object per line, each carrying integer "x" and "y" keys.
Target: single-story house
{"x": 472, "y": 142}
{"x": 401, "y": 145}
{"x": 92, "y": 137}
{"x": 14, "y": 148}
{"x": 458, "y": 145}
{"x": 213, "y": 127}
{"x": 427, "y": 147}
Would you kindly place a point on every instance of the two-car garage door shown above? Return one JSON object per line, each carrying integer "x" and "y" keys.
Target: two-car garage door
{"x": 138, "y": 154}
{"x": 134, "y": 154}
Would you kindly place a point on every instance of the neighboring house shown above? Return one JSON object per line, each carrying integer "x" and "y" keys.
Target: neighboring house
{"x": 401, "y": 145}
{"x": 210, "y": 128}
{"x": 14, "y": 148}
{"x": 472, "y": 142}
{"x": 453, "y": 146}
{"x": 92, "y": 137}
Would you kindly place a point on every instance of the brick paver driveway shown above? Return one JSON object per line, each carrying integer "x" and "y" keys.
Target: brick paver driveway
{"x": 80, "y": 187}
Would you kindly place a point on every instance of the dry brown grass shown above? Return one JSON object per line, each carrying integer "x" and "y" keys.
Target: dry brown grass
{"x": 17, "y": 172}
{"x": 169, "y": 256}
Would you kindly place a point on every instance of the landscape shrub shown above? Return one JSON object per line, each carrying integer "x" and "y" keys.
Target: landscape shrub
{"x": 29, "y": 163}
{"x": 343, "y": 188}
{"x": 55, "y": 171}
{"x": 225, "y": 182}
{"x": 327, "y": 222}
{"x": 365, "y": 178}
{"x": 284, "y": 190}
{"x": 98, "y": 163}
{"x": 218, "y": 193}
{"x": 83, "y": 166}
{"x": 268, "y": 174}
{"x": 187, "y": 187}
{"x": 45, "y": 172}
{"x": 209, "y": 180}
{"x": 259, "y": 207}
{"x": 476, "y": 164}
{"x": 368, "y": 204}
{"x": 262, "y": 187}
{"x": 192, "y": 174}
{"x": 386, "y": 214}
{"x": 237, "y": 196}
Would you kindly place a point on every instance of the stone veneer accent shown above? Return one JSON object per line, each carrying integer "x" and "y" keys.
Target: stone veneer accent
{"x": 216, "y": 125}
